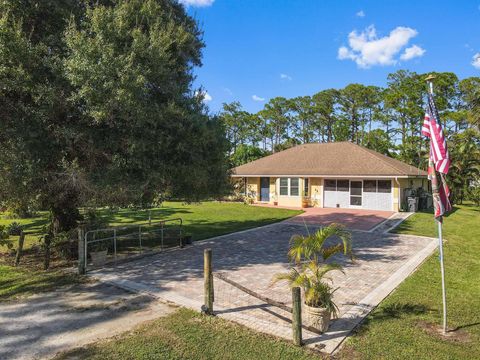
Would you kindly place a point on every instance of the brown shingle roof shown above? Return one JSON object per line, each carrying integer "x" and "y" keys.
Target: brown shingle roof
{"x": 339, "y": 158}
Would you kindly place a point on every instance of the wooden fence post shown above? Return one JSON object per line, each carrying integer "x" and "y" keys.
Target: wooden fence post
{"x": 208, "y": 277}
{"x": 21, "y": 240}
{"x": 81, "y": 251}
{"x": 297, "y": 316}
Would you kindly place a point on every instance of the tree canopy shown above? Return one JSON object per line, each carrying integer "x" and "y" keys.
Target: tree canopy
{"x": 97, "y": 107}
{"x": 387, "y": 120}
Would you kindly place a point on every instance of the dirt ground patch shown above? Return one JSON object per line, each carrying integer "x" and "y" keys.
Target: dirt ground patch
{"x": 45, "y": 324}
{"x": 453, "y": 335}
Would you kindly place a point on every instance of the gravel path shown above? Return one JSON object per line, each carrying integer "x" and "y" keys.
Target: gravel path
{"x": 45, "y": 324}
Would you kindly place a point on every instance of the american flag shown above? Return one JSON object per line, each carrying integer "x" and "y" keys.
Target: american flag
{"x": 439, "y": 159}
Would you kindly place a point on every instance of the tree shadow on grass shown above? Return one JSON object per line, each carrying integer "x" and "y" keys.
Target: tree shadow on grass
{"x": 391, "y": 312}
{"x": 22, "y": 284}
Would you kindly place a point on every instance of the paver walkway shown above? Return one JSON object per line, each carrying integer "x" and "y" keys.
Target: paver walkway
{"x": 253, "y": 257}
{"x": 356, "y": 219}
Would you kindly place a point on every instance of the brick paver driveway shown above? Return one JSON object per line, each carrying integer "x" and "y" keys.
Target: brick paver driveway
{"x": 357, "y": 219}
{"x": 253, "y": 257}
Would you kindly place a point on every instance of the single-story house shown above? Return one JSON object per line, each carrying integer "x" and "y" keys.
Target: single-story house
{"x": 338, "y": 174}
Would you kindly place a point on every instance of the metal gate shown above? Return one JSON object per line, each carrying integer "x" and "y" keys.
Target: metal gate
{"x": 110, "y": 245}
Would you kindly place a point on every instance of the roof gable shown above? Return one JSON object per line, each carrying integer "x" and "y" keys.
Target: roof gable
{"x": 328, "y": 159}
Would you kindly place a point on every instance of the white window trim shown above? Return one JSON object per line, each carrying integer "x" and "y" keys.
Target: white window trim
{"x": 289, "y": 187}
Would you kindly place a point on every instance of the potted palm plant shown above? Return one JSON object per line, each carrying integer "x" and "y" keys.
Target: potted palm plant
{"x": 310, "y": 255}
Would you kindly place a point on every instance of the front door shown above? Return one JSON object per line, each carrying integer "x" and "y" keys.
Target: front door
{"x": 264, "y": 189}
{"x": 355, "y": 193}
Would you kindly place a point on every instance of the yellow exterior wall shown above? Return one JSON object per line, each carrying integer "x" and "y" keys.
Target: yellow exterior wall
{"x": 396, "y": 196}
{"x": 316, "y": 192}
{"x": 294, "y": 201}
{"x": 253, "y": 187}
{"x": 273, "y": 189}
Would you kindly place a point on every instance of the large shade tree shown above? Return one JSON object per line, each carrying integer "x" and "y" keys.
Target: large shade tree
{"x": 97, "y": 106}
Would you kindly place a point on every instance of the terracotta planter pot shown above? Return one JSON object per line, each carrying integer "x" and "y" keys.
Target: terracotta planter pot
{"x": 316, "y": 318}
{"x": 304, "y": 203}
{"x": 99, "y": 258}
{"x": 275, "y": 203}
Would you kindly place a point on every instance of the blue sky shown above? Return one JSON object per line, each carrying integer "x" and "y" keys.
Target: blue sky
{"x": 256, "y": 50}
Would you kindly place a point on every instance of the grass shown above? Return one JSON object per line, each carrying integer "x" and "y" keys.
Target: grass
{"x": 396, "y": 329}
{"x": 31, "y": 226}
{"x": 188, "y": 335}
{"x": 202, "y": 220}
{"x": 207, "y": 219}
{"x": 16, "y": 282}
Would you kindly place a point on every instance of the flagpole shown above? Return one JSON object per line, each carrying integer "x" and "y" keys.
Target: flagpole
{"x": 440, "y": 237}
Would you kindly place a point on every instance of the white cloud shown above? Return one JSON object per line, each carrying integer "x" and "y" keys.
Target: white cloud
{"x": 412, "y": 52}
{"x": 367, "y": 49}
{"x": 285, "y": 77}
{"x": 197, "y": 3}
{"x": 257, "y": 98}
{"x": 361, "y": 13}
{"x": 476, "y": 61}
{"x": 206, "y": 97}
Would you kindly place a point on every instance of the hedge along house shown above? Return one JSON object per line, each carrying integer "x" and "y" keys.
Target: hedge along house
{"x": 335, "y": 175}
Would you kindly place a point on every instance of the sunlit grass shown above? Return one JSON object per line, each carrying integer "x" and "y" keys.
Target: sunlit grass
{"x": 188, "y": 335}
{"x": 392, "y": 331}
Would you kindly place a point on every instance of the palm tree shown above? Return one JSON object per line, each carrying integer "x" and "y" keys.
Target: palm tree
{"x": 318, "y": 293}
{"x": 310, "y": 253}
{"x": 312, "y": 246}
{"x": 465, "y": 168}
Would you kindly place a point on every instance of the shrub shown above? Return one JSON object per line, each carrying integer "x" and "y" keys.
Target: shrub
{"x": 14, "y": 229}
{"x": 4, "y": 235}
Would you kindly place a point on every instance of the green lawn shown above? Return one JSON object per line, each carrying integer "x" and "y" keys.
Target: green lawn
{"x": 202, "y": 220}
{"x": 396, "y": 330}
{"x": 18, "y": 282}
{"x": 188, "y": 335}
{"x": 207, "y": 219}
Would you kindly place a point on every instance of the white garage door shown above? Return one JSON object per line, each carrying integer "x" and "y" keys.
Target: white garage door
{"x": 377, "y": 195}
{"x": 336, "y": 192}
{"x": 367, "y": 194}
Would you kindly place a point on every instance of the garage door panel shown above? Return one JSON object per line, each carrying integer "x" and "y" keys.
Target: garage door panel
{"x": 384, "y": 201}
{"x": 343, "y": 199}
{"x": 370, "y": 200}
{"x": 330, "y": 199}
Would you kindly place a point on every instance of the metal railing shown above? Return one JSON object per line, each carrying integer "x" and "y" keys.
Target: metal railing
{"x": 123, "y": 240}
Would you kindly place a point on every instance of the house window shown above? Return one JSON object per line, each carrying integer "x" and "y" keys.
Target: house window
{"x": 284, "y": 186}
{"x": 294, "y": 187}
{"x": 384, "y": 186}
{"x": 343, "y": 185}
{"x": 330, "y": 185}
{"x": 305, "y": 187}
{"x": 289, "y": 186}
{"x": 370, "y": 186}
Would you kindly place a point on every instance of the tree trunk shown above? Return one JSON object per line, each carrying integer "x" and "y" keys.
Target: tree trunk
{"x": 21, "y": 240}
{"x": 46, "y": 261}
{"x": 54, "y": 228}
